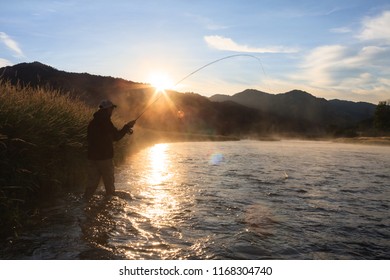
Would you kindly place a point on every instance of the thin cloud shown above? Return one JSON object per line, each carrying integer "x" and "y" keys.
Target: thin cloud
{"x": 360, "y": 71}
{"x": 371, "y": 57}
{"x": 357, "y": 72}
{"x": 376, "y": 28}
{"x": 11, "y": 44}
{"x": 227, "y": 44}
{"x": 320, "y": 63}
{"x": 361, "y": 68}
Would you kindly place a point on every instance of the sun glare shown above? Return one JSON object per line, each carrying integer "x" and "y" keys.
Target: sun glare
{"x": 160, "y": 81}
{"x": 159, "y": 182}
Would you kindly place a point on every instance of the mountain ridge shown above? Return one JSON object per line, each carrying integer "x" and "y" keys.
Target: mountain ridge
{"x": 302, "y": 105}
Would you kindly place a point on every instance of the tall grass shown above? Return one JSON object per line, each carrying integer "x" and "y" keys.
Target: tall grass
{"x": 42, "y": 148}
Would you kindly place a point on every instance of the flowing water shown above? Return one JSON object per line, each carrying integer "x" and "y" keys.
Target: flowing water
{"x": 228, "y": 200}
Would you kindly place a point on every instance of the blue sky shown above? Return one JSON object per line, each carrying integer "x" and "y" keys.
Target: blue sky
{"x": 332, "y": 49}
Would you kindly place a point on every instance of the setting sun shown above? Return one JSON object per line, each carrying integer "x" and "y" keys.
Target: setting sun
{"x": 160, "y": 81}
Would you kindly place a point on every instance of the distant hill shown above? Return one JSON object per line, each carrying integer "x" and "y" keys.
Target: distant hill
{"x": 303, "y": 106}
{"x": 90, "y": 88}
{"x": 249, "y": 113}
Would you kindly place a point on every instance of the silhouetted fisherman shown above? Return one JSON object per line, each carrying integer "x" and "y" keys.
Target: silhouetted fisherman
{"x": 101, "y": 135}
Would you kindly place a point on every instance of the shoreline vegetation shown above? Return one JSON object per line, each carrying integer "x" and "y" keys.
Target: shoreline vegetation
{"x": 43, "y": 149}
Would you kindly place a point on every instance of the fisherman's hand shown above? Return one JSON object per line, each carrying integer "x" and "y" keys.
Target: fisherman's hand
{"x": 131, "y": 123}
{"x": 128, "y": 129}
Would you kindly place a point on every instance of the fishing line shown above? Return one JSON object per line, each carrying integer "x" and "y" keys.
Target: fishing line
{"x": 218, "y": 60}
{"x": 201, "y": 68}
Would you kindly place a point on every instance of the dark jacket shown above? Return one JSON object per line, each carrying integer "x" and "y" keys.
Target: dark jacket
{"x": 101, "y": 135}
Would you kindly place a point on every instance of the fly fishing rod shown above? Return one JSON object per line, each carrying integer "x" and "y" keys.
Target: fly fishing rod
{"x": 148, "y": 106}
{"x": 197, "y": 70}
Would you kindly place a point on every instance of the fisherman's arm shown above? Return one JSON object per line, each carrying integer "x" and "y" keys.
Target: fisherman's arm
{"x": 119, "y": 134}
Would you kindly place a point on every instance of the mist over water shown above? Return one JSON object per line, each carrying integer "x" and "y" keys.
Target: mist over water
{"x": 229, "y": 200}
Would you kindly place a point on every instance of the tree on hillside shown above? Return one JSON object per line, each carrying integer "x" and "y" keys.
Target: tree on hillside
{"x": 382, "y": 116}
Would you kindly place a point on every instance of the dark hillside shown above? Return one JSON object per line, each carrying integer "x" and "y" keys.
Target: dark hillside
{"x": 90, "y": 88}
{"x": 302, "y": 106}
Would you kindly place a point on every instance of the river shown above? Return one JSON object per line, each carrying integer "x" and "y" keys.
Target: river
{"x": 228, "y": 200}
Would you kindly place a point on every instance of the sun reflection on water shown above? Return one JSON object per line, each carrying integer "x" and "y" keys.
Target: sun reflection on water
{"x": 162, "y": 199}
{"x": 157, "y": 158}
{"x": 159, "y": 186}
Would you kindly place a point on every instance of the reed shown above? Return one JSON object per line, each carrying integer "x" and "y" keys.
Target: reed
{"x": 42, "y": 148}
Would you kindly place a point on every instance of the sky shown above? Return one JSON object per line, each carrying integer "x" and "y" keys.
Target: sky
{"x": 331, "y": 49}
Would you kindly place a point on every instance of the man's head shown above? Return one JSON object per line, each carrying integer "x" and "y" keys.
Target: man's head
{"x": 107, "y": 105}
